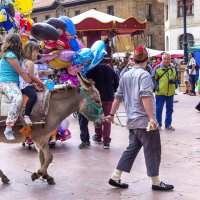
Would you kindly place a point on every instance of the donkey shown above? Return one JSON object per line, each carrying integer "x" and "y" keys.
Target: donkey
{"x": 69, "y": 99}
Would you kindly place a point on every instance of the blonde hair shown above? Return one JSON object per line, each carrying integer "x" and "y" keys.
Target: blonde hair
{"x": 29, "y": 48}
{"x": 12, "y": 42}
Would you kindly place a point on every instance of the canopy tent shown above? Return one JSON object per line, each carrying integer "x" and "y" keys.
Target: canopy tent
{"x": 94, "y": 24}
{"x": 173, "y": 53}
{"x": 151, "y": 52}
{"x": 194, "y": 48}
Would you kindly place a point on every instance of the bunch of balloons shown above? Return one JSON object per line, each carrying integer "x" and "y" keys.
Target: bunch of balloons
{"x": 62, "y": 48}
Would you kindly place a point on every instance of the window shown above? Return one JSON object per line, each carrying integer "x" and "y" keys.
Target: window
{"x": 148, "y": 12}
{"x": 77, "y": 12}
{"x": 189, "y": 8}
{"x": 166, "y": 12}
{"x": 47, "y": 17}
{"x": 149, "y": 41}
{"x": 35, "y": 19}
{"x": 110, "y": 10}
{"x": 190, "y": 40}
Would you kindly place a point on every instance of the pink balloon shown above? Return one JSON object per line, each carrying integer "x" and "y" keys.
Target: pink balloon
{"x": 47, "y": 57}
{"x": 17, "y": 18}
{"x": 66, "y": 56}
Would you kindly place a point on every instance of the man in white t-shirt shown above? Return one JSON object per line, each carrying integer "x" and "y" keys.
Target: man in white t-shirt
{"x": 192, "y": 73}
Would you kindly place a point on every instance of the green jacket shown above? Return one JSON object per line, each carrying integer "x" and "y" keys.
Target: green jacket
{"x": 162, "y": 80}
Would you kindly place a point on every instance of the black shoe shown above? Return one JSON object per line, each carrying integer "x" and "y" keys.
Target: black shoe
{"x": 117, "y": 184}
{"x": 162, "y": 187}
{"x": 84, "y": 145}
{"x": 96, "y": 140}
{"x": 106, "y": 146}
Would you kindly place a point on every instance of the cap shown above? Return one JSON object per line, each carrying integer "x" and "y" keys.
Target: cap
{"x": 140, "y": 54}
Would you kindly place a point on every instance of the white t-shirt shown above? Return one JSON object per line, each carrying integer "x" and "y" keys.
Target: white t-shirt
{"x": 22, "y": 83}
{"x": 192, "y": 62}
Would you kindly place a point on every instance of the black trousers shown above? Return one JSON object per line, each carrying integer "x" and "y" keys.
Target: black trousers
{"x": 30, "y": 91}
{"x": 83, "y": 122}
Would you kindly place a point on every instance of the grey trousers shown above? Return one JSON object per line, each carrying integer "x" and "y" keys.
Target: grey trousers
{"x": 150, "y": 141}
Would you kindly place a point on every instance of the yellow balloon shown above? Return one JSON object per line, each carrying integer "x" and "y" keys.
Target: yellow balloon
{"x": 24, "y": 7}
{"x": 58, "y": 64}
{"x": 24, "y": 39}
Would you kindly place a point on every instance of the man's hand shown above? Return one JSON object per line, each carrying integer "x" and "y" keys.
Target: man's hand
{"x": 109, "y": 118}
{"x": 152, "y": 125}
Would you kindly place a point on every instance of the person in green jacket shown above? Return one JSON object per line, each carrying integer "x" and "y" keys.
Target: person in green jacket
{"x": 165, "y": 81}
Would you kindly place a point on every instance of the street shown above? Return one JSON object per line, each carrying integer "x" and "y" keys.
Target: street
{"x": 83, "y": 174}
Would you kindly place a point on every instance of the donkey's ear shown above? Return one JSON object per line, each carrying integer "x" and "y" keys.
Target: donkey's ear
{"x": 84, "y": 82}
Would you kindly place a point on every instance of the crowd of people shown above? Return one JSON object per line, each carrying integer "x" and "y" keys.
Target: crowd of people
{"x": 142, "y": 86}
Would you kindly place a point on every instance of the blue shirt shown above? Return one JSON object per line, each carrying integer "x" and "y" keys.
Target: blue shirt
{"x": 133, "y": 85}
{"x": 7, "y": 71}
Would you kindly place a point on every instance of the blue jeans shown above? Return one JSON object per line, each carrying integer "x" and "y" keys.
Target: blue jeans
{"x": 192, "y": 82}
{"x": 83, "y": 122}
{"x": 160, "y": 100}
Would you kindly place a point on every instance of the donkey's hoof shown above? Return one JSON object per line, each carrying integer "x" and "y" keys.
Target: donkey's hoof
{"x": 5, "y": 179}
{"x": 51, "y": 181}
{"x": 34, "y": 176}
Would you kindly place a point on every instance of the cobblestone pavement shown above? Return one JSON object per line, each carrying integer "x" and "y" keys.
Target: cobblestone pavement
{"x": 83, "y": 174}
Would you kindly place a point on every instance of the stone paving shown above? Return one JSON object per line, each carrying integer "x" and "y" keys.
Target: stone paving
{"x": 83, "y": 174}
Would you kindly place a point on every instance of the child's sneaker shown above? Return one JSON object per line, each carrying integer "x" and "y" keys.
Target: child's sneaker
{"x": 29, "y": 141}
{"x": 67, "y": 134}
{"x": 9, "y": 135}
{"x": 27, "y": 120}
{"x": 52, "y": 141}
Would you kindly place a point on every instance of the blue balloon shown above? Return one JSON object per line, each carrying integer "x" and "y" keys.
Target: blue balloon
{"x": 83, "y": 57}
{"x": 74, "y": 44}
{"x": 70, "y": 27}
{"x": 49, "y": 84}
{"x": 99, "y": 51}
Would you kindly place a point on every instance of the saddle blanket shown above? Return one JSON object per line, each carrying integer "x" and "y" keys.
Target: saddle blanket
{"x": 37, "y": 114}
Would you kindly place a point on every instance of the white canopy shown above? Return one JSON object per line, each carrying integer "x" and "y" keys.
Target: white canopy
{"x": 151, "y": 52}
{"x": 100, "y": 16}
{"x": 175, "y": 52}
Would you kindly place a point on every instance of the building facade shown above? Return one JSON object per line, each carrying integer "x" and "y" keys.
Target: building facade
{"x": 149, "y": 10}
{"x": 173, "y": 10}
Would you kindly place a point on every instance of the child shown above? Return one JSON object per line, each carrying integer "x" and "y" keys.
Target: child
{"x": 186, "y": 80}
{"x": 9, "y": 79}
{"x": 31, "y": 52}
{"x": 65, "y": 75}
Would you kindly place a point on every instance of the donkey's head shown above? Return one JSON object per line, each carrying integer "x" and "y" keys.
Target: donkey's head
{"x": 91, "y": 106}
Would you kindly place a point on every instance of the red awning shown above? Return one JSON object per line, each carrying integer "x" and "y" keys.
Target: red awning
{"x": 94, "y": 20}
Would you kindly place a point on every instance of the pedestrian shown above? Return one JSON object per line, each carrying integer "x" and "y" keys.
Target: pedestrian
{"x": 31, "y": 52}
{"x": 136, "y": 91}
{"x": 192, "y": 73}
{"x": 10, "y": 70}
{"x": 106, "y": 82}
{"x": 187, "y": 82}
{"x": 165, "y": 82}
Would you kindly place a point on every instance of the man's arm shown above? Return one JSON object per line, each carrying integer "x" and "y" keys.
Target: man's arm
{"x": 193, "y": 68}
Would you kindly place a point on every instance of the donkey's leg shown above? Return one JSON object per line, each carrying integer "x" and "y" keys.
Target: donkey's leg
{"x": 4, "y": 178}
{"x": 41, "y": 157}
{"x": 46, "y": 158}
